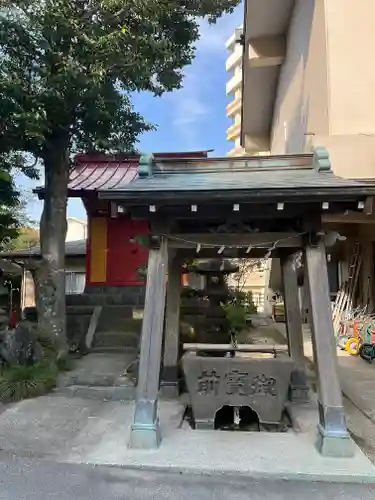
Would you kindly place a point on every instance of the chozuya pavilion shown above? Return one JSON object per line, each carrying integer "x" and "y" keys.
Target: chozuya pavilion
{"x": 179, "y": 205}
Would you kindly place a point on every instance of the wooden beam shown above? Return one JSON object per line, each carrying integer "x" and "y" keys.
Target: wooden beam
{"x": 333, "y": 437}
{"x": 248, "y": 211}
{"x": 367, "y": 273}
{"x": 264, "y": 240}
{"x": 145, "y": 431}
{"x": 212, "y": 253}
{"x": 267, "y": 348}
{"x": 351, "y": 217}
{"x": 369, "y": 205}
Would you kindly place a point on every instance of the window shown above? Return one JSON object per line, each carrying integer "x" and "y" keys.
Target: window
{"x": 75, "y": 282}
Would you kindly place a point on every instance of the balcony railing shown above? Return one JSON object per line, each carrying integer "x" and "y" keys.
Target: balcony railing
{"x": 234, "y": 83}
{"x": 235, "y": 59}
{"x": 234, "y": 107}
{"x": 234, "y": 131}
{"x": 237, "y": 151}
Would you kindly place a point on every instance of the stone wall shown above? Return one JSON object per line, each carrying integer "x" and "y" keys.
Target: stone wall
{"x": 120, "y": 320}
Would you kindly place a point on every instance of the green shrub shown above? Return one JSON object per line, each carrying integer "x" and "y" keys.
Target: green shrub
{"x": 236, "y": 315}
{"x": 21, "y": 382}
{"x": 189, "y": 292}
{"x": 244, "y": 299}
{"x": 65, "y": 364}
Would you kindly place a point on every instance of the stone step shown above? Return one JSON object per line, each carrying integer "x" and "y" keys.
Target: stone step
{"x": 79, "y": 310}
{"x": 113, "y": 322}
{"x": 116, "y": 339}
{"x": 114, "y": 393}
{"x": 115, "y": 349}
{"x": 92, "y": 379}
{"x": 133, "y": 296}
{"x": 108, "y": 311}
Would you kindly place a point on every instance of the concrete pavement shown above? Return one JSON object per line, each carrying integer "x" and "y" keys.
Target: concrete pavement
{"x": 30, "y": 479}
{"x": 357, "y": 377}
{"x": 74, "y": 430}
{"x": 79, "y": 431}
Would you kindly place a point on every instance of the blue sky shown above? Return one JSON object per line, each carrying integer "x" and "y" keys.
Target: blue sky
{"x": 191, "y": 118}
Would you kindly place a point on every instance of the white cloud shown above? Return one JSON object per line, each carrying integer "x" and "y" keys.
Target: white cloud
{"x": 190, "y": 110}
{"x": 214, "y": 36}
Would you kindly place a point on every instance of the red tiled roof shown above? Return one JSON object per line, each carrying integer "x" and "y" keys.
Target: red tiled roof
{"x": 90, "y": 176}
{"x": 103, "y": 173}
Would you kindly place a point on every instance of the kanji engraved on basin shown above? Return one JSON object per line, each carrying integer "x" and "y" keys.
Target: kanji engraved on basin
{"x": 261, "y": 384}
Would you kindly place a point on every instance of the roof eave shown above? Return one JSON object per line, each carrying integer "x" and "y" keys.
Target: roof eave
{"x": 340, "y": 193}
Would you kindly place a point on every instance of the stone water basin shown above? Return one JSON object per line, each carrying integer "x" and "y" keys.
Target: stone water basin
{"x": 260, "y": 382}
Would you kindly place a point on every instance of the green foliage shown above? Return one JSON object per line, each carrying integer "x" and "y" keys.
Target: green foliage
{"x": 236, "y": 315}
{"x": 28, "y": 237}
{"x": 12, "y": 209}
{"x": 21, "y": 382}
{"x": 8, "y": 202}
{"x": 68, "y": 69}
{"x": 244, "y": 299}
{"x": 190, "y": 265}
{"x": 65, "y": 364}
{"x": 189, "y": 292}
{"x": 69, "y": 66}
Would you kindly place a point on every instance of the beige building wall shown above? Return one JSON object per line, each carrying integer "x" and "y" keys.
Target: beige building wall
{"x": 76, "y": 229}
{"x": 325, "y": 95}
{"x": 254, "y": 282}
{"x": 301, "y": 105}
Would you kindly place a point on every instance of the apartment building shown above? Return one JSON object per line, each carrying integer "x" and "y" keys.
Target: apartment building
{"x": 234, "y": 91}
{"x": 307, "y": 81}
{"x": 256, "y": 279}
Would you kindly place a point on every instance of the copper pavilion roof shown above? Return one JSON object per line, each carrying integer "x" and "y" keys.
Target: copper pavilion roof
{"x": 165, "y": 175}
{"x": 93, "y": 173}
{"x": 292, "y": 176}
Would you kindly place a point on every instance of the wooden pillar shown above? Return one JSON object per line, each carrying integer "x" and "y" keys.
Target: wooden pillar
{"x": 333, "y": 437}
{"x": 367, "y": 274}
{"x": 145, "y": 431}
{"x": 172, "y": 329}
{"x": 299, "y": 388}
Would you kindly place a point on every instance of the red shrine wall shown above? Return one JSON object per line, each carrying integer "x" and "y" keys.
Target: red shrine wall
{"x": 112, "y": 258}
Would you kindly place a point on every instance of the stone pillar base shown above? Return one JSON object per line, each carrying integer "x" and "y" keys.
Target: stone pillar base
{"x": 299, "y": 390}
{"x": 204, "y": 425}
{"x": 330, "y": 444}
{"x": 299, "y": 394}
{"x": 169, "y": 387}
{"x": 169, "y": 390}
{"x": 145, "y": 437}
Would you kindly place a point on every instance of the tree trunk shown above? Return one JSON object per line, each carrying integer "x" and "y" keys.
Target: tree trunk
{"x": 51, "y": 274}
